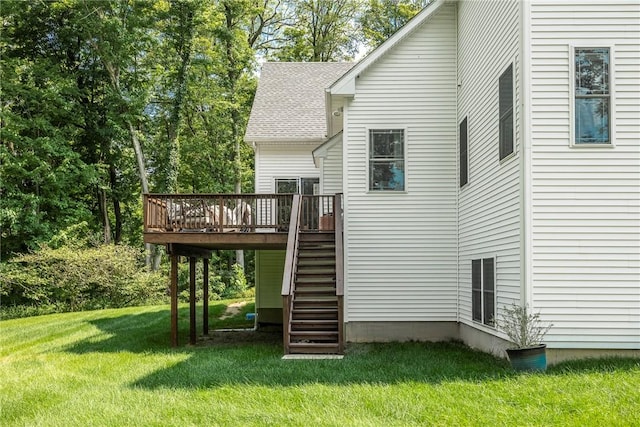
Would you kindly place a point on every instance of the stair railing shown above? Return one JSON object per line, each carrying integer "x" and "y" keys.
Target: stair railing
{"x": 288, "y": 277}
{"x": 338, "y": 226}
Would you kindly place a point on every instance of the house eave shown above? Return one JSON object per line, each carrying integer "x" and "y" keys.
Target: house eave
{"x": 284, "y": 141}
{"x": 322, "y": 151}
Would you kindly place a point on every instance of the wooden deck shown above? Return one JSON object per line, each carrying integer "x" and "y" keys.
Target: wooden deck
{"x": 193, "y": 225}
{"x": 229, "y": 221}
{"x": 217, "y": 221}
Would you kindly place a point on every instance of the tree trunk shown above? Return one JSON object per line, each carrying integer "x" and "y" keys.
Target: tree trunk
{"x": 116, "y": 205}
{"x": 106, "y": 226}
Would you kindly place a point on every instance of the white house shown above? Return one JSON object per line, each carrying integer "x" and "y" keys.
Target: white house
{"x": 488, "y": 153}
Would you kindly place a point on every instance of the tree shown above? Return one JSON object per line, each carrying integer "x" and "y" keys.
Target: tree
{"x": 383, "y": 18}
{"x": 324, "y": 30}
{"x": 43, "y": 180}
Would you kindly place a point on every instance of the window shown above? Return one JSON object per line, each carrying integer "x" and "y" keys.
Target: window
{"x": 386, "y": 160}
{"x": 592, "y": 96}
{"x": 297, "y": 185}
{"x": 506, "y": 112}
{"x": 286, "y": 186}
{"x": 483, "y": 307}
{"x": 464, "y": 157}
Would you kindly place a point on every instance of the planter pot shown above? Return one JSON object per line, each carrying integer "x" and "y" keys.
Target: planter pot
{"x": 529, "y": 359}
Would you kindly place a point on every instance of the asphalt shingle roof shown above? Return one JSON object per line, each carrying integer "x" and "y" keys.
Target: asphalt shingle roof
{"x": 289, "y": 101}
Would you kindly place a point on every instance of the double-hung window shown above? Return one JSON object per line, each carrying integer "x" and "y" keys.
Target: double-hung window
{"x": 592, "y": 96}
{"x": 386, "y": 160}
{"x": 505, "y": 95}
{"x": 483, "y": 295}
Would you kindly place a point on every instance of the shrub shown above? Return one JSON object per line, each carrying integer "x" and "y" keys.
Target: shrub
{"x": 74, "y": 278}
{"x": 228, "y": 285}
{"x": 237, "y": 283}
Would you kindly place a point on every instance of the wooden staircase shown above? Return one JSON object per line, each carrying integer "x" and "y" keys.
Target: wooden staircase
{"x": 313, "y": 278}
{"x": 314, "y": 313}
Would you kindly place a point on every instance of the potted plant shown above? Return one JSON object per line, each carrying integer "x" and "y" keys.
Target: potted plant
{"x": 526, "y": 331}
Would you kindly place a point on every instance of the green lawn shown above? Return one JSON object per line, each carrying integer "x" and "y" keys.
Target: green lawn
{"x": 114, "y": 368}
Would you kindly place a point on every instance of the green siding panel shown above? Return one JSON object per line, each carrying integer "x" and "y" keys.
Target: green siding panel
{"x": 269, "y": 269}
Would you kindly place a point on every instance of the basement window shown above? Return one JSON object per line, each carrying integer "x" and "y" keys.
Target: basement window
{"x": 483, "y": 305}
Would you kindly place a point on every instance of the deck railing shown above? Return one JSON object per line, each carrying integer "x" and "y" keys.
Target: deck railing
{"x": 217, "y": 212}
{"x": 235, "y": 212}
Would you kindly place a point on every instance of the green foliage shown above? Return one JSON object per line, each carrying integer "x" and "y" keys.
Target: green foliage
{"x": 237, "y": 285}
{"x": 382, "y": 18}
{"x": 524, "y": 328}
{"x": 323, "y": 30}
{"x": 73, "y": 277}
{"x": 226, "y": 284}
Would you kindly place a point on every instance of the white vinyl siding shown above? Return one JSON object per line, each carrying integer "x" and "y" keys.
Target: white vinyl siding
{"x": 332, "y": 170}
{"x": 489, "y": 205}
{"x": 273, "y": 161}
{"x": 401, "y": 246}
{"x": 585, "y": 253}
{"x": 283, "y": 161}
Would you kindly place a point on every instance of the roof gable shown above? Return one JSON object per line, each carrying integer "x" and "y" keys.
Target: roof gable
{"x": 290, "y": 101}
{"x": 345, "y": 85}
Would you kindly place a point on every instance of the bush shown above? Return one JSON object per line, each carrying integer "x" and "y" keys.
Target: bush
{"x": 72, "y": 278}
{"x": 237, "y": 286}
{"x": 230, "y": 284}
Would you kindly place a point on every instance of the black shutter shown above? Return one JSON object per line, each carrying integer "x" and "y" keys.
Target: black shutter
{"x": 506, "y": 112}
{"x": 476, "y": 290}
{"x": 464, "y": 159}
{"x": 488, "y": 290}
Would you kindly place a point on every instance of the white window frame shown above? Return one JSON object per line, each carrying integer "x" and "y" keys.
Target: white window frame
{"x": 405, "y": 132}
{"x": 572, "y": 94}
{"x": 482, "y": 320}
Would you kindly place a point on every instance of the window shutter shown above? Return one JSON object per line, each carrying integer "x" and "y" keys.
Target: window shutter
{"x": 488, "y": 290}
{"x": 506, "y": 112}
{"x": 476, "y": 290}
{"x": 464, "y": 159}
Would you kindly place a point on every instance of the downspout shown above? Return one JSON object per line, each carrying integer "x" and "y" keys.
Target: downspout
{"x": 526, "y": 287}
{"x": 457, "y": 185}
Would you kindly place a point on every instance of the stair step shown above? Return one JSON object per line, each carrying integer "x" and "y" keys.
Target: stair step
{"x": 317, "y": 237}
{"x": 316, "y": 245}
{"x": 313, "y": 337}
{"x": 315, "y": 270}
{"x": 316, "y": 253}
{"x": 314, "y": 279}
{"x": 313, "y": 305}
{"x": 328, "y": 299}
{"x": 326, "y": 289}
{"x": 323, "y": 262}
{"x": 324, "y": 325}
{"x": 313, "y": 348}
{"x": 314, "y": 313}
{"x": 318, "y": 295}
{"x": 314, "y": 323}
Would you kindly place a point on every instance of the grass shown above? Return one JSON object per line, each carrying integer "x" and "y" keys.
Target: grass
{"x": 114, "y": 367}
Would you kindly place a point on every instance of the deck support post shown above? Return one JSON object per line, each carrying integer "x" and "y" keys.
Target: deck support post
{"x": 192, "y": 300}
{"x": 173, "y": 295}
{"x": 205, "y": 296}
